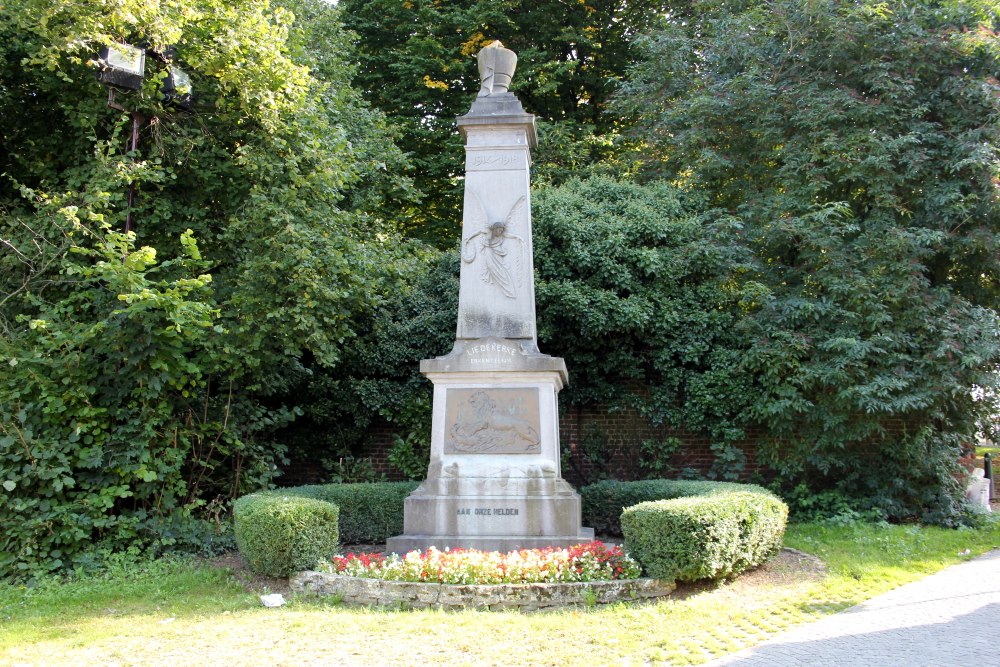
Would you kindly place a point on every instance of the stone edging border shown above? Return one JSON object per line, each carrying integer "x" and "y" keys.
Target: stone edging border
{"x": 523, "y": 597}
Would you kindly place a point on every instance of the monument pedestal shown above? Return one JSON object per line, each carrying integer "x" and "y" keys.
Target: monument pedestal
{"x": 494, "y": 481}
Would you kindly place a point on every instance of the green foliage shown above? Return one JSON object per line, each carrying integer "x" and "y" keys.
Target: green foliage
{"x": 857, "y": 143}
{"x": 710, "y": 536}
{"x": 410, "y": 455}
{"x": 369, "y": 513}
{"x": 656, "y": 456}
{"x": 805, "y": 505}
{"x": 108, "y": 431}
{"x": 378, "y": 377}
{"x": 644, "y": 296}
{"x": 145, "y": 379}
{"x": 603, "y": 502}
{"x": 348, "y": 470}
{"x": 280, "y": 534}
{"x": 418, "y": 66}
{"x": 587, "y": 458}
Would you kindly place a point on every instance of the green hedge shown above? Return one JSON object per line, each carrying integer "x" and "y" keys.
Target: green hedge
{"x": 708, "y": 536}
{"x": 370, "y": 513}
{"x": 279, "y": 534}
{"x": 603, "y": 502}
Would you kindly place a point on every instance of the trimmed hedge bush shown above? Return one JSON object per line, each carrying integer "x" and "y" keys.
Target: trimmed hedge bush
{"x": 370, "y": 513}
{"x": 708, "y": 536}
{"x": 280, "y": 533}
{"x": 603, "y": 502}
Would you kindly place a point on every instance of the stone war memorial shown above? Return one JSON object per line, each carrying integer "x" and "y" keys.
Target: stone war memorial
{"x": 494, "y": 480}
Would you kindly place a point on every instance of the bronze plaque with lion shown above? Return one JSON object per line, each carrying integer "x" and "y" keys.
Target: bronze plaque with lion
{"x": 492, "y": 421}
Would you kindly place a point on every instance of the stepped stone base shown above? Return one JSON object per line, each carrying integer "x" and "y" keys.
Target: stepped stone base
{"x": 506, "y": 515}
{"x": 494, "y": 481}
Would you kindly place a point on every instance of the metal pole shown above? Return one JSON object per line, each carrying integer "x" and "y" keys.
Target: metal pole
{"x": 988, "y": 470}
{"x": 133, "y": 146}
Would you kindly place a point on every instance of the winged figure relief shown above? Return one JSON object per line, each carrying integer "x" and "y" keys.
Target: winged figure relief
{"x": 501, "y": 253}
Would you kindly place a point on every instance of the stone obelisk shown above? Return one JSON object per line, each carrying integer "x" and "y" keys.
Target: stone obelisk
{"x": 494, "y": 480}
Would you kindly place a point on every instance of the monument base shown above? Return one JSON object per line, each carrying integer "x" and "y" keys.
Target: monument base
{"x": 494, "y": 481}
{"x": 508, "y": 515}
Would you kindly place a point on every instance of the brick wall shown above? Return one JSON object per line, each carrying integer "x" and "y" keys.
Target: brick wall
{"x": 615, "y": 436}
{"x": 596, "y": 442}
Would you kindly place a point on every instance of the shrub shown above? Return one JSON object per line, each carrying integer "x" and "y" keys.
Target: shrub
{"x": 806, "y": 505}
{"x": 370, "y": 513}
{"x": 281, "y": 534}
{"x": 707, "y": 536}
{"x": 603, "y": 502}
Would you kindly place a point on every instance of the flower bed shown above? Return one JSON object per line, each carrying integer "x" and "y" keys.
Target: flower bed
{"x": 527, "y": 580}
{"x": 583, "y": 562}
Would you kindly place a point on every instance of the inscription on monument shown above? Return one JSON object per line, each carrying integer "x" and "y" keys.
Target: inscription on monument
{"x": 487, "y": 511}
{"x": 495, "y": 161}
{"x": 492, "y": 421}
{"x": 491, "y": 354}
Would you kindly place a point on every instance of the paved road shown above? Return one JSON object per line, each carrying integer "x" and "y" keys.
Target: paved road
{"x": 949, "y": 619}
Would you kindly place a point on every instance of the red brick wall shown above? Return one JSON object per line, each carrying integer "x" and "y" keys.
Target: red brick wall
{"x": 619, "y": 433}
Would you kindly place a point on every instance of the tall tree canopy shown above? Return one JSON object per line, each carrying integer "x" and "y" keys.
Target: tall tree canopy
{"x": 145, "y": 372}
{"x": 859, "y": 143}
{"x": 418, "y": 66}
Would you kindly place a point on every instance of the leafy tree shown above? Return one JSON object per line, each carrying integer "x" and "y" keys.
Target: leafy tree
{"x": 418, "y": 66}
{"x": 858, "y": 141}
{"x": 643, "y": 295}
{"x": 379, "y": 377}
{"x": 146, "y": 373}
{"x": 636, "y": 290}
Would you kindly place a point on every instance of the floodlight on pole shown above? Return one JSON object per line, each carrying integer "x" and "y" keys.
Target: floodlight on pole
{"x": 177, "y": 88}
{"x": 122, "y": 65}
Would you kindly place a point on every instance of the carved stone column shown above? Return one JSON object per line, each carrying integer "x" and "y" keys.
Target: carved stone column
{"x": 494, "y": 480}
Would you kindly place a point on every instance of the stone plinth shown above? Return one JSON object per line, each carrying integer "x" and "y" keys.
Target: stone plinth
{"x": 494, "y": 481}
{"x": 978, "y": 490}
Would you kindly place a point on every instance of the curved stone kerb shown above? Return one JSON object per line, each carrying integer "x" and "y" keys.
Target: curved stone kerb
{"x": 524, "y": 597}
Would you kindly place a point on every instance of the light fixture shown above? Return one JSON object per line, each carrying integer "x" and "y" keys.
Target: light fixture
{"x": 122, "y": 65}
{"x": 177, "y": 88}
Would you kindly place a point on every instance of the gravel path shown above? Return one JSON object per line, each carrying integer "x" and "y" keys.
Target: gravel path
{"x": 948, "y": 619}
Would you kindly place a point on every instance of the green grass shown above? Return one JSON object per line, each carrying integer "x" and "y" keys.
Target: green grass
{"x": 181, "y": 613}
{"x": 993, "y": 451}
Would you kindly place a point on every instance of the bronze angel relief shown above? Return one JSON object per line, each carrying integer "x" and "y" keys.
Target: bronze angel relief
{"x": 501, "y": 253}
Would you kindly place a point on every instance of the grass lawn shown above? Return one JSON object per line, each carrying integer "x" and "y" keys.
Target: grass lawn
{"x": 992, "y": 451}
{"x": 183, "y": 613}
